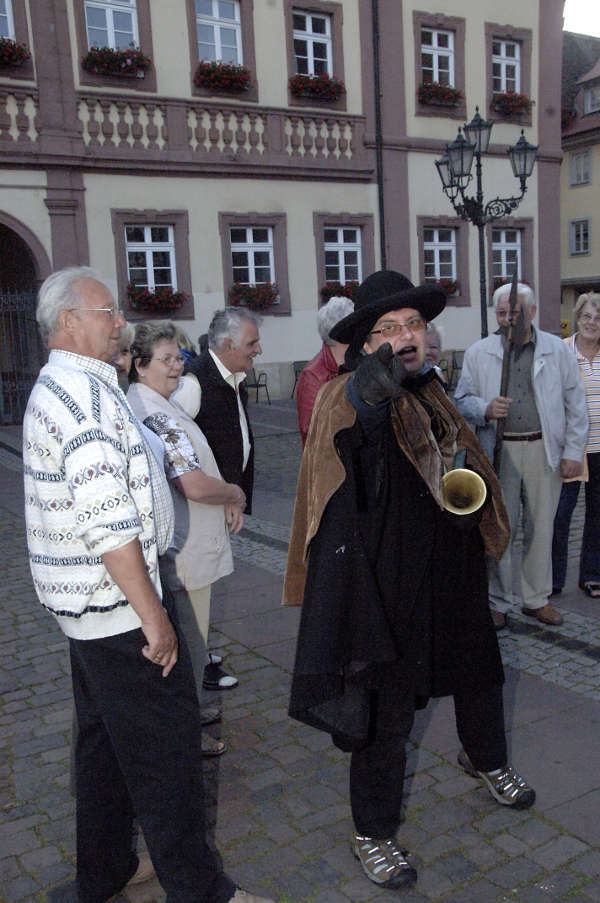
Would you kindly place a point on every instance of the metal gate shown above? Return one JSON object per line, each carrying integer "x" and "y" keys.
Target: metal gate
{"x": 21, "y": 353}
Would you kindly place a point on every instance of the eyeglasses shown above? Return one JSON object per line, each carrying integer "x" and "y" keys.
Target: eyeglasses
{"x": 590, "y": 318}
{"x": 113, "y": 311}
{"x": 170, "y": 360}
{"x": 415, "y": 324}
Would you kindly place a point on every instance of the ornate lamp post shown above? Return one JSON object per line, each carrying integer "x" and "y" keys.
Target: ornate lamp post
{"x": 454, "y": 169}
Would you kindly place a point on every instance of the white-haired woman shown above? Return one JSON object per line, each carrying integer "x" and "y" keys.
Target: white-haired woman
{"x": 206, "y": 506}
{"x": 585, "y": 345}
{"x": 324, "y": 365}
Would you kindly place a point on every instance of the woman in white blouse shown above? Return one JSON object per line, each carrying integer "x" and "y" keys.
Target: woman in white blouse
{"x": 206, "y": 507}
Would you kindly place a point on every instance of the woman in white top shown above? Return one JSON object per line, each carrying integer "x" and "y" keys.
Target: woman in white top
{"x": 206, "y": 507}
{"x": 585, "y": 344}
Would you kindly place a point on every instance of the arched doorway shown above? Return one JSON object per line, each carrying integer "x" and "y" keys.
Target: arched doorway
{"x": 21, "y": 351}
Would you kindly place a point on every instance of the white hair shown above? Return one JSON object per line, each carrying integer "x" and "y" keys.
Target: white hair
{"x": 227, "y": 323}
{"x": 60, "y": 292}
{"x": 331, "y": 313}
{"x": 523, "y": 291}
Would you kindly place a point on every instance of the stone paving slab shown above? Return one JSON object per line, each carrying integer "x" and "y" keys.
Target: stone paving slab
{"x": 277, "y": 801}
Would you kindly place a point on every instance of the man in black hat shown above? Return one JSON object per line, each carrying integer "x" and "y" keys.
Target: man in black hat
{"x": 394, "y": 589}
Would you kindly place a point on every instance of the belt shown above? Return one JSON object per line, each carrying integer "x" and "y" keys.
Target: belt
{"x": 522, "y": 437}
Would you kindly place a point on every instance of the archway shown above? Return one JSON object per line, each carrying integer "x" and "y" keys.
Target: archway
{"x": 22, "y": 268}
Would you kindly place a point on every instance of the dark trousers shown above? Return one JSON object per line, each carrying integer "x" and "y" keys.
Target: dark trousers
{"x": 589, "y": 559}
{"x": 377, "y": 771}
{"x": 139, "y": 750}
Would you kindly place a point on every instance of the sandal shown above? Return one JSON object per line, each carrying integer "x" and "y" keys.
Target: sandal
{"x": 212, "y": 747}
{"x": 592, "y": 588}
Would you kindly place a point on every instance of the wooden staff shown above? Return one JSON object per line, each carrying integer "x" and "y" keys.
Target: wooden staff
{"x": 514, "y": 334}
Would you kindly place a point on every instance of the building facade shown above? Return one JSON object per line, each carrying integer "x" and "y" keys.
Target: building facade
{"x": 580, "y": 172}
{"x": 168, "y": 171}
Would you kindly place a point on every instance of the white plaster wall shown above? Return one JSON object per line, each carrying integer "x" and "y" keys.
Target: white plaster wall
{"x": 476, "y": 13}
{"x": 461, "y": 326}
{"x": 285, "y": 338}
{"x": 22, "y": 194}
{"x": 580, "y": 202}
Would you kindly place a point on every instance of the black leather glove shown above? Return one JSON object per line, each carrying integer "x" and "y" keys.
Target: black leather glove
{"x": 379, "y": 376}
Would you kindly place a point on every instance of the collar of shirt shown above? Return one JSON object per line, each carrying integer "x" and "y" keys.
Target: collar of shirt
{"x": 105, "y": 372}
{"x": 234, "y": 379}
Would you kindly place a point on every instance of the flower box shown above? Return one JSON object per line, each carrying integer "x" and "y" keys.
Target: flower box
{"x": 510, "y": 103}
{"x": 12, "y": 54}
{"x": 317, "y": 87}
{"x": 219, "y": 76}
{"x": 162, "y": 300}
{"x": 256, "y": 297}
{"x": 450, "y": 286}
{"x": 338, "y": 289}
{"x": 441, "y": 95}
{"x": 130, "y": 63}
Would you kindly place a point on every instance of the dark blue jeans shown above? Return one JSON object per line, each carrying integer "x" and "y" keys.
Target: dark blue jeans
{"x": 589, "y": 560}
{"x": 139, "y": 750}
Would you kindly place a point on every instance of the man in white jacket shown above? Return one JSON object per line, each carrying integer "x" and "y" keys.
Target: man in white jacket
{"x": 545, "y": 433}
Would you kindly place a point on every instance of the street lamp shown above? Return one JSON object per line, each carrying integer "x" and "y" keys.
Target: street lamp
{"x": 454, "y": 170}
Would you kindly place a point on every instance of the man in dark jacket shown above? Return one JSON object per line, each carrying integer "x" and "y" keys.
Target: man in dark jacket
{"x": 233, "y": 343}
{"x": 394, "y": 589}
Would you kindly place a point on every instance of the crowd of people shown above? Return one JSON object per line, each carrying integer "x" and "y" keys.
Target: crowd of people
{"x": 139, "y": 464}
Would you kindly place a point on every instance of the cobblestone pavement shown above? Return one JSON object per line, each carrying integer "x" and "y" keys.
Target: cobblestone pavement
{"x": 277, "y": 800}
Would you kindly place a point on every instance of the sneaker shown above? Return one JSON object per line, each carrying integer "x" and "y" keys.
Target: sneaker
{"x": 505, "y": 784}
{"x": 209, "y": 714}
{"x": 215, "y": 678}
{"x": 383, "y": 861}
{"x": 242, "y": 896}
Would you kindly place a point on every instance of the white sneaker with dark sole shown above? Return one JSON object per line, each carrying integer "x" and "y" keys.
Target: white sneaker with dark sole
{"x": 505, "y": 784}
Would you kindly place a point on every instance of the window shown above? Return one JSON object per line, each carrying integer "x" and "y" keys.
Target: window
{"x": 7, "y": 28}
{"x": 439, "y": 254}
{"x": 254, "y": 250}
{"x": 252, "y": 259}
{"x": 591, "y": 99}
{"x": 579, "y": 236}
{"x": 580, "y": 163}
{"x": 437, "y": 56}
{"x": 314, "y": 46}
{"x": 111, "y": 23}
{"x": 343, "y": 257}
{"x": 506, "y": 251}
{"x": 506, "y": 66}
{"x": 151, "y": 256}
{"x": 312, "y": 43}
{"x": 152, "y": 250}
{"x": 444, "y": 254}
{"x": 219, "y": 30}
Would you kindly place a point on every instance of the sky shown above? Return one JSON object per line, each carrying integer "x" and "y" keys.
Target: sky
{"x": 582, "y": 16}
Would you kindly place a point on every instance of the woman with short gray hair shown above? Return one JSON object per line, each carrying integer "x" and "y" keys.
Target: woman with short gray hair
{"x": 325, "y": 365}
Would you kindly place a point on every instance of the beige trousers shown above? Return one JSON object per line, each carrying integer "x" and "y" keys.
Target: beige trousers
{"x": 193, "y": 613}
{"x": 530, "y": 487}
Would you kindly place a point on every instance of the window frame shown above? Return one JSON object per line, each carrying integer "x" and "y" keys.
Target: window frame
{"x": 522, "y": 36}
{"x": 440, "y": 22}
{"x": 575, "y": 156}
{"x": 461, "y": 233}
{"x": 246, "y": 8}
{"x": 335, "y": 12}
{"x": 573, "y": 224}
{"x": 214, "y": 22}
{"x": 147, "y": 83}
{"x": 10, "y": 19}
{"x": 148, "y": 247}
{"x": 362, "y": 221}
{"x": 178, "y": 219}
{"x": 503, "y": 61}
{"x": 339, "y": 249}
{"x": 436, "y": 52}
{"x": 525, "y": 226}
{"x": 108, "y": 5}
{"x": 588, "y": 92}
{"x": 311, "y": 39}
{"x": 278, "y": 223}
{"x": 250, "y": 247}
{"x": 22, "y": 36}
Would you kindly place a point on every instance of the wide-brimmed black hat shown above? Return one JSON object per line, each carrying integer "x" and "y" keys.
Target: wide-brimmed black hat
{"x": 382, "y": 291}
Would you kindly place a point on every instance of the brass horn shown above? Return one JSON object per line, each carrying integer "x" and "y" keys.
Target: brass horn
{"x": 464, "y": 491}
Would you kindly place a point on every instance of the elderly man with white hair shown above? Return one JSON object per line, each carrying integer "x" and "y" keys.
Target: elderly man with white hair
{"x": 545, "y": 433}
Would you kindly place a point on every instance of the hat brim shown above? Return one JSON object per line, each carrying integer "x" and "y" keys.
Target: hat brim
{"x": 429, "y": 300}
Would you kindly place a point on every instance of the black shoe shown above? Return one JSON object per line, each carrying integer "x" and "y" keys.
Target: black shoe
{"x": 217, "y": 679}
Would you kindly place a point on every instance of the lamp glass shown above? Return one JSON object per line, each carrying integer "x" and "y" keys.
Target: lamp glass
{"x": 522, "y": 157}
{"x": 478, "y": 132}
{"x": 443, "y": 168}
{"x": 460, "y": 156}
